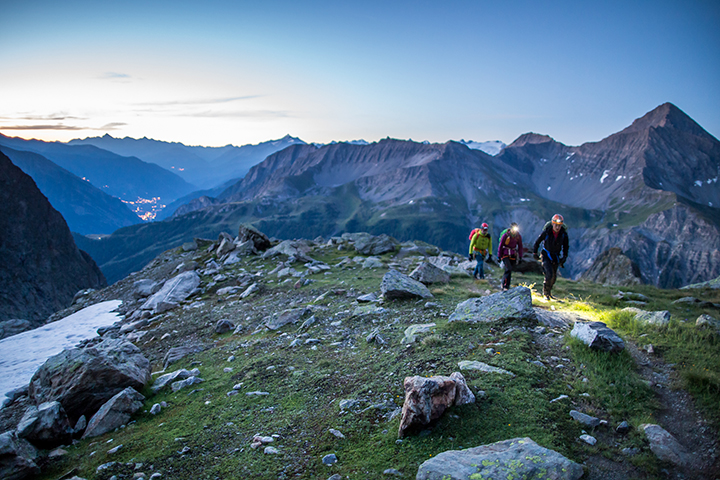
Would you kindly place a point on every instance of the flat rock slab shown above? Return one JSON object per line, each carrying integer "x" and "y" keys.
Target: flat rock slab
{"x": 512, "y": 304}
{"x": 482, "y": 367}
{"x": 277, "y": 321}
{"x": 585, "y": 419}
{"x": 396, "y": 285}
{"x": 517, "y": 458}
{"x": 413, "y": 330}
{"x": 598, "y": 336}
{"x": 114, "y": 413}
{"x": 173, "y": 292}
{"x": 555, "y": 319}
{"x": 664, "y": 445}
{"x": 660, "y": 318}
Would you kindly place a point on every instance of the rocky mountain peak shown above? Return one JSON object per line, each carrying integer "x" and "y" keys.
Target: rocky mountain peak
{"x": 531, "y": 138}
{"x": 667, "y": 116}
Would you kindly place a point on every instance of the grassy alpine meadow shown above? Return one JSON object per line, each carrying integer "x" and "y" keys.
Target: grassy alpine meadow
{"x": 319, "y": 387}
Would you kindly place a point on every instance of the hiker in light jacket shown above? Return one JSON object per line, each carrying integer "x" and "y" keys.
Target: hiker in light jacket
{"x": 480, "y": 246}
{"x": 554, "y": 238}
{"x": 510, "y": 252}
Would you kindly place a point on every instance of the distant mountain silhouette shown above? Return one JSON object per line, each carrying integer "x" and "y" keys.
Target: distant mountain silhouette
{"x": 41, "y": 268}
{"x": 85, "y": 208}
{"x": 205, "y": 167}
{"x": 127, "y": 178}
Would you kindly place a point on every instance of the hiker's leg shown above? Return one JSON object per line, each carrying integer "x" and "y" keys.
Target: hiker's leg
{"x": 548, "y": 271}
{"x": 480, "y": 267}
{"x": 507, "y": 266}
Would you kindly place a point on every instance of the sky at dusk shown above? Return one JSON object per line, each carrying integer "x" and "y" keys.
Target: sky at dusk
{"x": 238, "y": 72}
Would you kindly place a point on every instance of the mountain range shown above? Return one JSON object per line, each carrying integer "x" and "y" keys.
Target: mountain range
{"x": 650, "y": 189}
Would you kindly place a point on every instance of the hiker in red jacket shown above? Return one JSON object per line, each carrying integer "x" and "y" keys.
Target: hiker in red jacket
{"x": 510, "y": 252}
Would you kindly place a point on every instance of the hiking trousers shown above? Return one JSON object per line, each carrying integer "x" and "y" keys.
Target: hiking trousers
{"x": 508, "y": 266}
{"x": 479, "y": 270}
{"x": 550, "y": 269}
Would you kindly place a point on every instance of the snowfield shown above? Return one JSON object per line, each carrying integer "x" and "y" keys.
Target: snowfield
{"x": 22, "y": 354}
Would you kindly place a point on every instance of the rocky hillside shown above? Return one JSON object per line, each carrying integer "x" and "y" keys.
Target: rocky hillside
{"x": 41, "y": 268}
{"x": 321, "y": 359}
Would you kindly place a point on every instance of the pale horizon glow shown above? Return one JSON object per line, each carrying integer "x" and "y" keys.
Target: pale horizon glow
{"x": 219, "y": 72}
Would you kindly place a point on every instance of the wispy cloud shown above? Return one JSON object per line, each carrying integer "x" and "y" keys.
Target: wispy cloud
{"x": 55, "y": 117}
{"x": 112, "y": 126}
{"x": 240, "y": 114}
{"x": 115, "y": 76}
{"x": 198, "y": 101}
{"x": 41, "y": 127}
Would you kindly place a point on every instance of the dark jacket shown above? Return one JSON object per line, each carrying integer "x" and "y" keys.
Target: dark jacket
{"x": 553, "y": 246}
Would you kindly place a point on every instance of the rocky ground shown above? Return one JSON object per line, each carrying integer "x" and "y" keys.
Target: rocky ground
{"x": 302, "y": 360}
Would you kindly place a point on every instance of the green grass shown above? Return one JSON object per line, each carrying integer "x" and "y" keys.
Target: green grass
{"x": 306, "y": 383}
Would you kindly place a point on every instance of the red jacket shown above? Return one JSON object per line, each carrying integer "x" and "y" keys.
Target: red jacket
{"x": 510, "y": 246}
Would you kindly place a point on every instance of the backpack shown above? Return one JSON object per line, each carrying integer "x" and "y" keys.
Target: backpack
{"x": 501, "y": 234}
{"x": 472, "y": 234}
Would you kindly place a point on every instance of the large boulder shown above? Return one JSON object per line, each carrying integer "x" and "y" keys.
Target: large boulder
{"x": 397, "y": 285}
{"x": 426, "y": 399}
{"x": 17, "y": 458}
{"x": 598, "y": 336}
{"x": 375, "y": 245}
{"x": 173, "y": 292}
{"x": 290, "y": 248}
{"x": 613, "y": 267}
{"x": 82, "y": 379}
{"x": 516, "y": 458}
{"x": 261, "y": 242}
{"x": 114, "y": 413}
{"x": 45, "y": 426}
{"x": 427, "y": 273}
{"x": 279, "y": 320}
{"x": 515, "y": 304}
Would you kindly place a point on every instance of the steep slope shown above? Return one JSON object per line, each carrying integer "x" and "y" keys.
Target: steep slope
{"x": 86, "y": 209}
{"x": 205, "y": 167}
{"x": 127, "y": 178}
{"x": 41, "y": 268}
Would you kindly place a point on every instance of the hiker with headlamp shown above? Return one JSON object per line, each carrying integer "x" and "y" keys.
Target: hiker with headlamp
{"x": 555, "y": 241}
{"x": 510, "y": 252}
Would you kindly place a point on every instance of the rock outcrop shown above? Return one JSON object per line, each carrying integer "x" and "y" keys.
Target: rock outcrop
{"x": 598, "y": 336}
{"x": 613, "y": 267}
{"x": 114, "y": 413}
{"x": 41, "y": 268}
{"x": 515, "y": 303}
{"x": 397, "y": 285}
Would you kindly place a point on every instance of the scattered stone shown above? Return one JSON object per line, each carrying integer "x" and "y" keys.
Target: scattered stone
{"x": 337, "y": 433}
{"x": 427, "y": 274}
{"x": 349, "y": 404}
{"x": 396, "y": 285}
{"x": 706, "y": 320}
{"x": 114, "y": 413}
{"x": 515, "y": 303}
{"x": 598, "y": 336}
{"x": 483, "y": 367}
{"x": 590, "y": 440}
{"x": 271, "y": 451}
{"x": 392, "y": 471}
{"x": 368, "y": 310}
{"x": 156, "y": 408}
{"x": 260, "y": 241}
{"x": 413, "y": 330}
{"x": 373, "y": 262}
{"x": 179, "y": 385}
{"x": 375, "y": 336}
{"x": 369, "y": 297}
{"x": 506, "y": 459}
{"x": 555, "y": 319}
{"x": 561, "y": 397}
{"x": 252, "y": 289}
{"x": 631, "y": 296}
{"x": 45, "y": 426}
{"x": 330, "y": 459}
{"x": 623, "y": 428}
{"x": 665, "y": 446}
{"x": 375, "y": 245}
{"x": 585, "y": 419}
{"x": 426, "y": 399}
{"x": 224, "y": 326}
{"x": 114, "y": 450}
{"x": 172, "y": 377}
{"x": 178, "y": 353}
{"x": 277, "y": 321}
